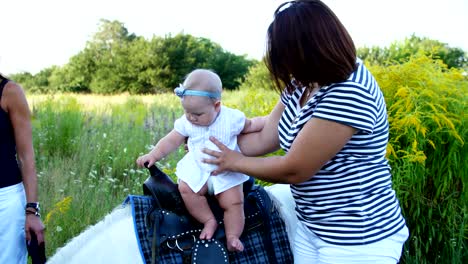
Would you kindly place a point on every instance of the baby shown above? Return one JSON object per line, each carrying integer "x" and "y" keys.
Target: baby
{"x": 204, "y": 117}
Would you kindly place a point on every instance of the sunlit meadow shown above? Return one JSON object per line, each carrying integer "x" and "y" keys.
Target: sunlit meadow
{"x": 86, "y": 146}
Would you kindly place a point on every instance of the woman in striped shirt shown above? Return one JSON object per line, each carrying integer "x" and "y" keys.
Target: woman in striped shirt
{"x": 331, "y": 120}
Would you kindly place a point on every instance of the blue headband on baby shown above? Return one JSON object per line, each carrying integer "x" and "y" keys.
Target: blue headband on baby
{"x": 181, "y": 91}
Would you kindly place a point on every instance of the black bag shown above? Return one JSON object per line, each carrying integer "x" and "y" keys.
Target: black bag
{"x": 174, "y": 234}
{"x": 36, "y": 251}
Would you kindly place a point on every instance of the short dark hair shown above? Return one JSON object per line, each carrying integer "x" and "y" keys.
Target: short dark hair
{"x": 306, "y": 41}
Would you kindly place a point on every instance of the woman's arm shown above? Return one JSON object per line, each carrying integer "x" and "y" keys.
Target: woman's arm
{"x": 18, "y": 110}
{"x": 266, "y": 140}
{"x": 318, "y": 142}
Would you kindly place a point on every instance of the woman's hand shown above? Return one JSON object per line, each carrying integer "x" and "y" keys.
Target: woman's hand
{"x": 34, "y": 225}
{"x": 226, "y": 159}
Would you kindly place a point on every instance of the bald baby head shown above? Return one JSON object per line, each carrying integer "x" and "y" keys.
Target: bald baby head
{"x": 203, "y": 80}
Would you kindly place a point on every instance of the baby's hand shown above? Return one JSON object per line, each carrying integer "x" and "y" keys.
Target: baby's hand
{"x": 147, "y": 158}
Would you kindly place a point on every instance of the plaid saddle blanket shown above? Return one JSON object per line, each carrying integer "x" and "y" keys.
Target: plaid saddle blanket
{"x": 266, "y": 242}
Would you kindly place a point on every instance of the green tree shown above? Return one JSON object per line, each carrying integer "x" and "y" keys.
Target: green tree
{"x": 258, "y": 77}
{"x": 75, "y": 76}
{"x": 179, "y": 55}
{"x": 401, "y": 51}
{"x": 116, "y": 61}
{"x": 25, "y": 79}
{"x": 109, "y": 48}
{"x": 142, "y": 66}
{"x": 183, "y": 53}
{"x": 230, "y": 67}
{"x": 40, "y": 81}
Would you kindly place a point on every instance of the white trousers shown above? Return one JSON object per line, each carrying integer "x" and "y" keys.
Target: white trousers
{"x": 310, "y": 249}
{"x": 12, "y": 220}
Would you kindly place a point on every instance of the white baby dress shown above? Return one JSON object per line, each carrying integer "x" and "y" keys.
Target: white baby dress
{"x": 190, "y": 169}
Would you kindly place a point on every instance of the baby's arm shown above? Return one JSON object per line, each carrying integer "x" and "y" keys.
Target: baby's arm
{"x": 255, "y": 124}
{"x": 164, "y": 147}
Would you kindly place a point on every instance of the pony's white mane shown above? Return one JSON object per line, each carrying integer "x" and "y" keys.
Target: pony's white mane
{"x": 113, "y": 238}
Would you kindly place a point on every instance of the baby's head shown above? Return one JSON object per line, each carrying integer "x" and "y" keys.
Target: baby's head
{"x": 201, "y": 96}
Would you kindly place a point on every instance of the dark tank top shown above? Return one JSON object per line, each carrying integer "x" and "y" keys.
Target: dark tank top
{"x": 10, "y": 173}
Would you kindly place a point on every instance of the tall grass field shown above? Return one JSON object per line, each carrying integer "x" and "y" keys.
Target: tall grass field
{"x": 86, "y": 147}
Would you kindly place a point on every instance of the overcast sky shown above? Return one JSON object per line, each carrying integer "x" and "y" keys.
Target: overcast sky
{"x": 38, "y": 34}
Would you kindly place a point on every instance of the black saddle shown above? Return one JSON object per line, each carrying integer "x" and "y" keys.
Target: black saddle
{"x": 164, "y": 225}
{"x": 166, "y": 191}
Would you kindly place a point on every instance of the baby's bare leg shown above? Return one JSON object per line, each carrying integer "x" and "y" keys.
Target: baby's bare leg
{"x": 232, "y": 201}
{"x": 198, "y": 207}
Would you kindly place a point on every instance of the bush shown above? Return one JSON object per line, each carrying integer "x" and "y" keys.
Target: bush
{"x": 426, "y": 105}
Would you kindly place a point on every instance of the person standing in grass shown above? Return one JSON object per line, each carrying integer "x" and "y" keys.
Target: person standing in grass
{"x": 204, "y": 117}
{"x": 331, "y": 121}
{"x": 19, "y": 207}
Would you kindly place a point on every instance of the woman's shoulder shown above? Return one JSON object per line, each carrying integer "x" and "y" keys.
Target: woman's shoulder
{"x": 12, "y": 88}
{"x": 360, "y": 81}
{"x": 12, "y": 93}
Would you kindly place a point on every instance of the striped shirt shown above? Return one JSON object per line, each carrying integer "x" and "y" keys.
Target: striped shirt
{"x": 350, "y": 200}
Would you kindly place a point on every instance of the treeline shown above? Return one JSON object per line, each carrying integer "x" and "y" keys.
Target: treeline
{"x": 400, "y": 52}
{"x": 397, "y": 53}
{"x": 116, "y": 61}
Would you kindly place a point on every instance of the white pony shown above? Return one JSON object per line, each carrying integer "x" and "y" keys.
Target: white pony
{"x": 113, "y": 239}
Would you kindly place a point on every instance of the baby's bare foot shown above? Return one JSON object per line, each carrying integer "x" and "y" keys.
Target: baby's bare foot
{"x": 208, "y": 229}
{"x": 234, "y": 244}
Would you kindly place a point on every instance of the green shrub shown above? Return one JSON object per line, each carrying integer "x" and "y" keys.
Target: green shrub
{"x": 426, "y": 105}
